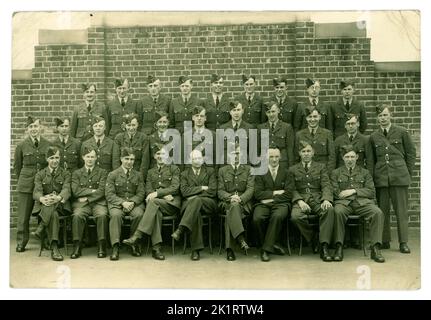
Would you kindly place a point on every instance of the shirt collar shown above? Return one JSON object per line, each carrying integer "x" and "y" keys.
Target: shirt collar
{"x": 310, "y": 129}
{"x": 87, "y": 168}
{"x": 275, "y": 122}
{"x": 34, "y": 139}
{"x": 309, "y": 164}
{"x": 100, "y": 138}
{"x": 196, "y": 171}
{"x": 311, "y": 100}
{"x": 274, "y": 169}
{"x": 188, "y": 97}
{"x": 125, "y": 99}
{"x": 388, "y": 128}
{"x": 239, "y": 123}
{"x": 217, "y": 95}
{"x": 251, "y": 96}
{"x": 350, "y": 100}
{"x": 124, "y": 170}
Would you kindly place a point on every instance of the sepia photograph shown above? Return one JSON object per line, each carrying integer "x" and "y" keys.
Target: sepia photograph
{"x": 273, "y": 150}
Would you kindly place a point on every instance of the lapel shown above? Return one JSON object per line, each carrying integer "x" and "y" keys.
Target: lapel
{"x": 121, "y": 172}
{"x": 211, "y": 100}
{"x": 269, "y": 180}
{"x": 390, "y": 132}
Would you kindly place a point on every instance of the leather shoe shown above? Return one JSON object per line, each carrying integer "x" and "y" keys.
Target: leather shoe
{"x": 115, "y": 253}
{"x": 38, "y": 232}
{"x": 404, "y": 248}
{"x": 131, "y": 241}
{"x": 324, "y": 253}
{"x": 20, "y": 248}
{"x": 136, "y": 250}
{"x": 315, "y": 243}
{"x": 195, "y": 255}
{"x": 279, "y": 250}
{"x": 101, "y": 253}
{"x": 385, "y": 245}
{"x": 244, "y": 246}
{"x": 264, "y": 256}
{"x": 56, "y": 255}
{"x": 158, "y": 255}
{"x": 230, "y": 255}
{"x": 176, "y": 235}
{"x": 338, "y": 256}
{"x": 376, "y": 255}
{"x": 76, "y": 251}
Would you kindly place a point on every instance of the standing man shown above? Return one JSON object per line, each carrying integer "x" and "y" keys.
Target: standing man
{"x": 354, "y": 137}
{"x": 152, "y": 103}
{"x": 280, "y": 133}
{"x": 216, "y": 104}
{"x": 274, "y": 196}
{"x": 235, "y": 191}
{"x": 83, "y": 116}
{"x": 70, "y": 147}
{"x": 312, "y": 102}
{"x": 348, "y": 104}
{"x": 251, "y": 102}
{"x": 181, "y": 106}
{"x": 199, "y": 189}
{"x": 28, "y": 160}
{"x": 125, "y": 193}
{"x": 312, "y": 194}
{"x": 355, "y": 194}
{"x": 88, "y": 190}
{"x": 394, "y": 156}
{"x": 51, "y": 194}
{"x": 320, "y": 139}
{"x": 108, "y": 154}
{"x": 163, "y": 198}
{"x": 119, "y": 106}
{"x": 286, "y": 104}
{"x": 158, "y": 137}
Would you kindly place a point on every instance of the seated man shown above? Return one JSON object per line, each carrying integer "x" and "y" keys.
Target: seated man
{"x": 312, "y": 194}
{"x": 271, "y": 190}
{"x": 51, "y": 194}
{"x": 355, "y": 194}
{"x": 88, "y": 190}
{"x": 235, "y": 191}
{"x": 199, "y": 189}
{"x": 162, "y": 189}
{"x": 125, "y": 193}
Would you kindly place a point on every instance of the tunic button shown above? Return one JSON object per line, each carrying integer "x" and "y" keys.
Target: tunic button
{"x": 308, "y": 183}
{"x": 386, "y": 148}
{"x": 307, "y": 175}
{"x": 217, "y": 116}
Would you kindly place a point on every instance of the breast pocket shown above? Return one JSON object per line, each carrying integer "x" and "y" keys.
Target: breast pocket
{"x": 286, "y": 115}
{"x": 148, "y": 117}
{"x": 105, "y": 157}
{"x": 116, "y": 117}
{"x": 321, "y": 148}
{"x": 380, "y": 148}
{"x": 179, "y": 116}
{"x": 340, "y": 120}
{"x": 397, "y": 143}
{"x": 280, "y": 140}
{"x": 29, "y": 158}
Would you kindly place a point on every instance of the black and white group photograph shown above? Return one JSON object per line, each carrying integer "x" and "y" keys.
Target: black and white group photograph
{"x": 250, "y": 150}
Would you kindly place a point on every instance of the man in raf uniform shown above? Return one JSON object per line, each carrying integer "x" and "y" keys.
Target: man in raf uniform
{"x": 354, "y": 137}
{"x": 163, "y": 198}
{"x": 312, "y": 194}
{"x": 158, "y": 137}
{"x": 199, "y": 189}
{"x": 348, "y": 104}
{"x": 235, "y": 191}
{"x": 28, "y": 160}
{"x": 251, "y": 102}
{"x": 181, "y": 106}
{"x": 312, "y": 102}
{"x": 83, "y": 116}
{"x": 319, "y": 138}
{"x": 286, "y": 104}
{"x": 88, "y": 190}
{"x": 125, "y": 194}
{"x": 152, "y": 103}
{"x": 280, "y": 134}
{"x": 216, "y": 104}
{"x": 393, "y": 160}
{"x": 274, "y": 196}
{"x": 120, "y": 105}
{"x": 354, "y": 193}
{"x": 69, "y": 146}
{"x": 51, "y": 194}
{"x": 108, "y": 153}
{"x": 138, "y": 141}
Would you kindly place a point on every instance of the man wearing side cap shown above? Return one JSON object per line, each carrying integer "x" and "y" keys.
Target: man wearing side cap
{"x": 216, "y": 104}
{"x": 51, "y": 194}
{"x": 287, "y": 105}
{"x": 393, "y": 161}
{"x": 320, "y": 139}
{"x": 125, "y": 194}
{"x": 312, "y": 102}
{"x": 84, "y": 114}
{"x": 120, "y": 105}
{"x": 29, "y": 158}
{"x": 159, "y": 136}
{"x": 152, "y": 103}
{"x": 312, "y": 195}
{"x": 108, "y": 153}
{"x": 182, "y": 105}
{"x": 348, "y": 104}
{"x": 354, "y": 193}
{"x": 88, "y": 190}
{"x": 163, "y": 199}
{"x": 251, "y": 102}
{"x": 69, "y": 146}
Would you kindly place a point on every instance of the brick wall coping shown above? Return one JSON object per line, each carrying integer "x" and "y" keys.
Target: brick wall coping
{"x": 22, "y": 74}
{"x": 340, "y": 30}
{"x": 63, "y": 36}
{"x": 398, "y": 66}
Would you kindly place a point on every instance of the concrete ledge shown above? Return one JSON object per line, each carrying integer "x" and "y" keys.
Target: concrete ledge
{"x": 63, "y": 36}
{"x": 398, "y": 66}
{"x": 22, "y": 74}
{"x": 341, "y": 30}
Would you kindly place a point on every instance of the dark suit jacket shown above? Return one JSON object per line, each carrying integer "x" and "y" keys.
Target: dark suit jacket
{"x": 265, "y": 185}
{"x": 84, "y": 184}
{"x": 115, "y": 114}
{"x": 339, "y": 112}
{"x": 216, "y": 116}
{"x": 149, "y": 109}
{"x": 181, "y": 112}
{"x": 283, "y": 137}
{"x": 191, "y": 185}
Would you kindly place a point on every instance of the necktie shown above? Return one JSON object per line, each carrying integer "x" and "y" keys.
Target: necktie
{"x": 272, "y": 126}
{"x": 306, "y": 167}
{"x": 217, "y": 101}
{"x": 249, "y": 100}
{"x": 123, "y": 103}
{"x": 350, "y": 171}
{"x": 155, "y": 101}
{"x": 98, "y": 142}
{"x": 279, "y": 102}
{"x": 235, "y": 127}
{"x": 36, "y": 143}
{"x": 385, "y": 132}
{"x": 351, "y": 138}
{"x": 130, "y": 139}
{"x": 185, "y": 100}
{"x": 347, "y": 106}
{"x": 89, "y": 108}
{"x": 273, "y": 174}
{"x": 89, "y": 171}
{"x": 314, "y": 102}
{"x": 128, "y": 174}
{"x": 313, "y": 133}
{"x": 235, "y": 169}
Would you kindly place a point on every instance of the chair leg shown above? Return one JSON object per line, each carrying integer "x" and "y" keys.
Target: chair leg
{"x": 363, "y": 237}
{"x": 185, "y": 243}
{"x": 148, "y": 245}
{"x": 288, "y": 239}
{"x": 221, "y": 235}
{"x": 173, "y": 241}
{"x": 42, "y": 242}
{"x": 300, "y": 245}
{"x": 210, "y": 235}
{"x": 65, "y": 235}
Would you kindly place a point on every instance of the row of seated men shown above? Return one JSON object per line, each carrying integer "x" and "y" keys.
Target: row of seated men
{"x": 217, "y": 105}
{"x": 28, "y": 158}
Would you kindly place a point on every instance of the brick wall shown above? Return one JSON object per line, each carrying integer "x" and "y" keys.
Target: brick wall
{"x": 297, "y": 50}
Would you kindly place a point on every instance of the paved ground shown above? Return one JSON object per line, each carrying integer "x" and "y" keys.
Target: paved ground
{"x": 400, "y": 271}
